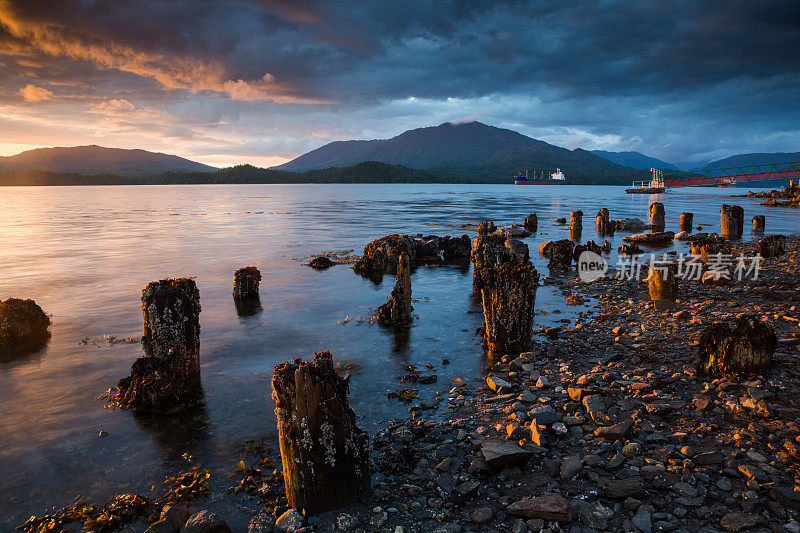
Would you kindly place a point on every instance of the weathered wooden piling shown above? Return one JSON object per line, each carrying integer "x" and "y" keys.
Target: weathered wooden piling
{"x": 325, "y": 455}
{"x": 531, "y": 223}
{"x": 685, "y": 223}
{"x": 739, "y": 353}
{"x": 657, "y": 216}
{"x": 731, "y": 221}
{"x": 245, "y": 290}
{"x": 771, "y": 246}
{"x": 759, "y": 223}
{"x": 508, "y": 302}
{"x": 603, "y": 222}
{"x": 575, "y": 225}
{"x": 486, "y": 227}
{"x": 561, "y": 254}
{"x": 397, "y": 311}
{"x": 168, "y": 377}
{"x": 662, "y": 284}
{"x": 485, "y": 250}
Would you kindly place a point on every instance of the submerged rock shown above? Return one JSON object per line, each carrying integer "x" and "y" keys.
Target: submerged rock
{"x": 320, "y": 263}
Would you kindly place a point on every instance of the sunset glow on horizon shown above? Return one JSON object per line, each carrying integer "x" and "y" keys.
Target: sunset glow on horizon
{"x": 225, "y": 83}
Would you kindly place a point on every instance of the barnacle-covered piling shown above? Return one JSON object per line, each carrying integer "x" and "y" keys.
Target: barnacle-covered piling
{"x": 508, "y": 297}
{"x": 325, "y": 455}
{"x": 168, "y": 377}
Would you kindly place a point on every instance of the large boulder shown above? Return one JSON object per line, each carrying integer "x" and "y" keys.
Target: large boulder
{"x": 22, "y": 323}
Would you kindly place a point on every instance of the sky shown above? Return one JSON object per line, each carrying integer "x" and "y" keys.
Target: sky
{"x": 225, "y": 82}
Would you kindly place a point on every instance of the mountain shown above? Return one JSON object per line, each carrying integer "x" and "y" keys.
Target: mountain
{"x": 330, "y": 155}
{"x": 747, "y": 160}
{"x": 90, "y": 160}
{"x": 634, "y": 160}
{"x": 482, "y": 152}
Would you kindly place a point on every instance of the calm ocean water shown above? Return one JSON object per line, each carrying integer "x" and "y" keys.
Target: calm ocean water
{"x": 85, "y": 253}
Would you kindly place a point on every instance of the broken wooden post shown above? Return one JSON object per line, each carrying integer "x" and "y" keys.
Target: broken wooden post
{"x": 731, "y": 221}
{"x": 397, "y": 311}
{"x": 561, "y": 254}
{"x": 168, "y": 377}
{"x": 531, "y": 223}
{"x": 685, "y": 223}
{"x": 739, "y": 353}
{"x": 657, "y": 217}
{"x": 485, "y": 250}
{"x": 604, "y": 224}
{"x": 575, "y": 225}
{"x": 508, "y": 302}
{"x": 23, "y": 325}
{"x": 759, "y": 223}
{"x": 486, "y": 227}
{"x": 325, "y": 455}
{"x": 245, "y": 290}
{"x": 662, "y": 284}
{"x": 771, "y": 246}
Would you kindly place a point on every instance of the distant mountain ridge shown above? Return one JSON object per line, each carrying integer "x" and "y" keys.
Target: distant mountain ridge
{"x": 747, "y": 160}
{"x": 93, "y": 160}
{"x": 634, "y": 160}
{"x": 487, "y": 153}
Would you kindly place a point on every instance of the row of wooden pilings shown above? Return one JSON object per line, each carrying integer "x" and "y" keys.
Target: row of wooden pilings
{"x": 325, "y": 455}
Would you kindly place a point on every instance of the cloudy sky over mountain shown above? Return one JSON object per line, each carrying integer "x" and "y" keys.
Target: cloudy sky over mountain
{"x": 263, "y": 81}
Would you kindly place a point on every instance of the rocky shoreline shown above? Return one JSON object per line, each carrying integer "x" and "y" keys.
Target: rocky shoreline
{"x": 602, "y": 426}
{"x": 628, "y": 436}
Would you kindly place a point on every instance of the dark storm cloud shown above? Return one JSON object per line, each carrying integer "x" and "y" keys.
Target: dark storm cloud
{"x": 632, "y": 73}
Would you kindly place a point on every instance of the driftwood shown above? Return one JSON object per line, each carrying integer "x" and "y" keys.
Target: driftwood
{"x": 325, "y": 455}
{"x": 657, "y": 216}
{"x": 685, "y": 223}
{"x": 397, "y": 311}
{"x": 739, "y": 353}
{"x": 168, "y": 377}
{"x": 662, "y": 237}
{"x": 508, "y": 300}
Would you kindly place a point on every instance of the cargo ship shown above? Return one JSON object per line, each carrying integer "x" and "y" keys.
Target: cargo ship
{"x": 556, "y": 178}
